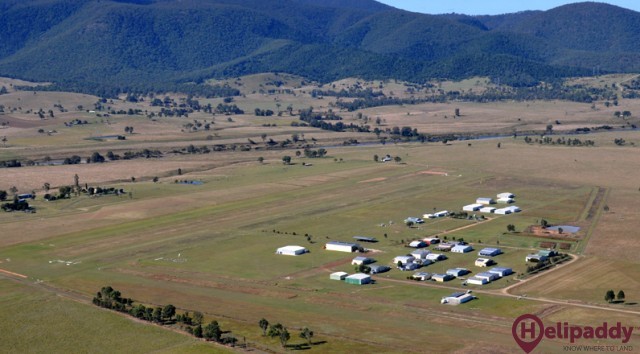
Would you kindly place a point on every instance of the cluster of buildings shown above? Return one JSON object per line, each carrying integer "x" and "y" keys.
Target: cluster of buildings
{"x": 484, "y": 205}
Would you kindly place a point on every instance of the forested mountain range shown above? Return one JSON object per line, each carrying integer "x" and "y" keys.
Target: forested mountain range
{"x": 153, "y": 44}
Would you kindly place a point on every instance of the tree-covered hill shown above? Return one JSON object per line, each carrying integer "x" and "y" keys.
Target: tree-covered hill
{"x": 157, "y": 44}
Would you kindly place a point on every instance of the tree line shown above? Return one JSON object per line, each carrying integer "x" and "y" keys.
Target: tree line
{"x": 191, "y": 323}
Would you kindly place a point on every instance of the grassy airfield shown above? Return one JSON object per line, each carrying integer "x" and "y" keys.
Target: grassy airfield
{"x": 210, "y": 247}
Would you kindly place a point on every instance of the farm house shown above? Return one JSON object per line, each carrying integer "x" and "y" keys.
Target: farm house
{"x": 485, "y": 201}
{"x": 490, "y": 252}
{"x": 362, "y": 260}
{"x": 342, "y": 246}
{"x": 291, "y": 250}
{"x": 477, "y": 281}
{"x": 501, "y": 271}
{"x": 358, "y": 279}
{"x": 338, "y": 275}
{"x": 472, "y": 207}
{"x": 461, "y": 249}
{"x": 457, "y": 298}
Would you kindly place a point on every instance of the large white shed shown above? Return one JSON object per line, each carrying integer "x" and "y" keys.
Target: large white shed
{"x": 291, "y": 250}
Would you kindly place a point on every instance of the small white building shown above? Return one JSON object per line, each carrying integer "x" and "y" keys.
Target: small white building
{"x": 403, "y": 259}
{"x": 421, "y": 276}
{"x": 514, "y": 209}
{"x": 291, "y": 250}
{"x": 477, "y": 281}
{"x": 505, "y": 195}
{"x": 441, "y": 214}
{"x": 502, "y": 211}
{"x": 461, "y": 249}
{"x": 458, "y": 272}
{"x": 341, "y": 246}
{"x": 488, "y": 210}
{"x": 420, "y": 254}
{"x": 358, "y": 279}
{"x": 505, "y": 201}
{"x": 485, "y": 201}
{"x": 535, "y": 258}
{"x": 418, "y": 244}
{"x": 377, "y": 268}
{"x": 487, "y": 275}
{"x": 362, "y": 260}
{"x": 472, "y": 207}
{"x": 436, "y": 257}
{"x": 457, "y": 298}
{"x": 483, "y": 262}
{"x": 442, "y": 277}
{"x": 410, "y": 266}
{"x": 501, "y": 271}
{"x": 338, "y": 275}
{"x": 490, "y": 252}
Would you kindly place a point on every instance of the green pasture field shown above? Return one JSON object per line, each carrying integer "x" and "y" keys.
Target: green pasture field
{"x": 211, "y": 247}
{"x": 79, "y": 327}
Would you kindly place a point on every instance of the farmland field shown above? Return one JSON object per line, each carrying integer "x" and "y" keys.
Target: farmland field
{"x": 210, "y": 246}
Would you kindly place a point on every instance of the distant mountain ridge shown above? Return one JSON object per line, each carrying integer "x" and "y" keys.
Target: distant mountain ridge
{"x": 142, "y": 44}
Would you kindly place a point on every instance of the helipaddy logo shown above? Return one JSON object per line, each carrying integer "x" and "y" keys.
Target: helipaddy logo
{"x": 528, "y": 331}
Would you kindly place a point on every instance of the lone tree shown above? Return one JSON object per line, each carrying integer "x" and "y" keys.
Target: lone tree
{"x": 168, "y": 312}
{"x": 284, "y": 337}
{"x": 264, "y": 324}
{"x": 212, "y": 331}
{"x": 261, "y": 159}
{"x": 511, "y": 228}
{"x": 376, "y": 158}
{"x": 609, "y": 296}
{"x": 397, "y": 159}
{"x": 306, "y": 334}
{"x": 620, "y": 296}
{"x": 286, "y": 160}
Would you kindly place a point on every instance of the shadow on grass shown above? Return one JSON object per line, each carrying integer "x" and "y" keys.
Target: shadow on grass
{"x": 304, "y": 346}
